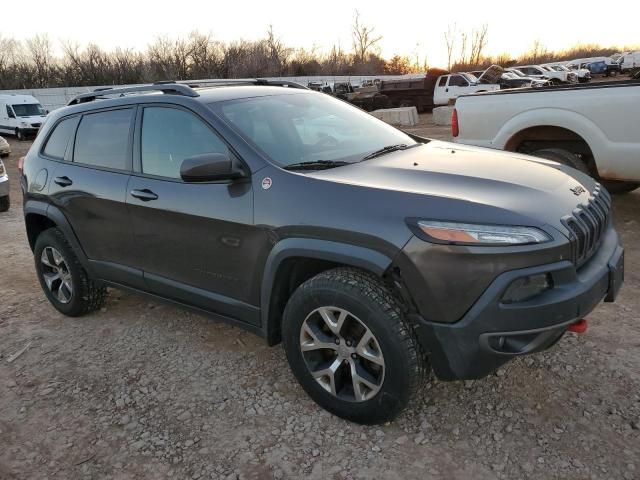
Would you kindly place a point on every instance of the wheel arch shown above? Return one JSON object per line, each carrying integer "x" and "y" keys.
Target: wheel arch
{"x": 559, "y": 126}
{"x": 551, "y": 136}
{"x": 294, "y": 260}
{"x": 40, "y": 216}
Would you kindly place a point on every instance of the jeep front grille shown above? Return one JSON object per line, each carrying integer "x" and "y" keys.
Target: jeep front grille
{"x": 587, "y": 224}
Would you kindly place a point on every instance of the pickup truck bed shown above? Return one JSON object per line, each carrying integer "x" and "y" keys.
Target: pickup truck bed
{"x": 596, "y": 123}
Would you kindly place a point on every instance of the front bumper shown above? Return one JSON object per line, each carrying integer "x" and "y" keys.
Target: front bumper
{"x": 27, "y": 131}
{"x": 4, "y": 185}
{"x": 492, "y": 332}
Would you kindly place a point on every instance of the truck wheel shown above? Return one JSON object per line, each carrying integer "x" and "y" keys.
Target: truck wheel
{"x": 564, "y": 157}
{"x": 619, "y": 186}
{"x": 350, "y": 347}
{"x": 65, "y": 283}
{"x": 19, "y": 134}
{"x": 5, "y": 203}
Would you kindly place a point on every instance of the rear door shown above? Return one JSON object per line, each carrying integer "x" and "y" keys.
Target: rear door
{"x": 90, "y": 189}
{"x": 197, "y": 241}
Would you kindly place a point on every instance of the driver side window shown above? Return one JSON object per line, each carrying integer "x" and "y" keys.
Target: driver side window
{"x": 458, "y": 81}
{"x": 169, "y": 136}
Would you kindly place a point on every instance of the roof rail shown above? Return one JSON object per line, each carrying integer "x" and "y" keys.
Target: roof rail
{"x": 178, "y": 88}
{"x": 164, "y": 87}
{"x": 243, "y": 81}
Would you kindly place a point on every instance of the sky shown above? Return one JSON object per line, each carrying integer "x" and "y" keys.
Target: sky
{"x": 407, "y": 27}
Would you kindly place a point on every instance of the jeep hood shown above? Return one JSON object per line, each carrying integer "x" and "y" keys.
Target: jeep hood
{"x": 476, "y": 181}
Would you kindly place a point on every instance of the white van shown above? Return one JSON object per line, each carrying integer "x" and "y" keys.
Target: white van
{"x": 629, "y": 61}
{"x": 20, "y": 115}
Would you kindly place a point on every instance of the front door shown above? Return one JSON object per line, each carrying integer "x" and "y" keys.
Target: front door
{"x": 197, "y": 241}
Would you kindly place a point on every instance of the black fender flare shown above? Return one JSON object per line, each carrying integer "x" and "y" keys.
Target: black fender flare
{"x": 343, "y": 253}
{"x": 53, "y": 213}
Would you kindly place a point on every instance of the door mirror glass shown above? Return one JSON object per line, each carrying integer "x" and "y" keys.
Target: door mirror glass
{"x": 209, "y": 167}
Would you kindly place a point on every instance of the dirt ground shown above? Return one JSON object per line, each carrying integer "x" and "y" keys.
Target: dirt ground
{"x": 145, "y": 390}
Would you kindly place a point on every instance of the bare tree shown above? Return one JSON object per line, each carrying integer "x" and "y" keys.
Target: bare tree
{"x": 40, "y": 53}
{"x": 478, "y": 43}
{"x": 364, "y": 39}
{"x": 463, "y": 49}
{"x": 538, "y": 51}
{"x": 278, "y": 52}
{"x": 450, "y": 40}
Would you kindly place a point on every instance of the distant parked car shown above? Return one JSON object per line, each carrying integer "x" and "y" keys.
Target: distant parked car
{"x": 584, "y": 75}
{"x": 536, "y": 71}
{"x": 20, "y": 115}
{"x": 5, "y": 148}
{"x": 513, "y": 80}
{"x": 629, "y": 61}
{"x": 4, "y": 189}
{"x": 596, "y": 65}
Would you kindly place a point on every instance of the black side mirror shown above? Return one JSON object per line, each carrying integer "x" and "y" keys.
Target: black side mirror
{"x": 209, "y": 167}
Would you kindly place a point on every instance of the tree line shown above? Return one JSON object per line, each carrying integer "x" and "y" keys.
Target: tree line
{"x": 35, "y": 63}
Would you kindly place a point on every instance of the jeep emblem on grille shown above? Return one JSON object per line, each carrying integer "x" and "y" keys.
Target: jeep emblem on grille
{"x": 577, "y": 190}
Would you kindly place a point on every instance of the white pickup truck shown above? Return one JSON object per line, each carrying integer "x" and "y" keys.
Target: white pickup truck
{"x": 450, "y": 87}
{"x": 591, "y": 127}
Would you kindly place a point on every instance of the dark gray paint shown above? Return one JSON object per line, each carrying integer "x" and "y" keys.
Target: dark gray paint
{"x": 215, "y": 246}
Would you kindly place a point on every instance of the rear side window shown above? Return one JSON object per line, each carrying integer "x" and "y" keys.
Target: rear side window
{"x": 103, "y": 139}
{"x": 58, "y": 141}
{"x": 169, "y": 136}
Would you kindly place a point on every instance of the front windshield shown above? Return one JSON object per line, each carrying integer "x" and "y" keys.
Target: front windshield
{"x": 28, "y": 109}
{"x": 518, "y": 73}
{"x": 308, "y": 127}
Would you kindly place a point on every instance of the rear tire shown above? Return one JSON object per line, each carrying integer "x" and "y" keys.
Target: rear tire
{"x": 564, "y": 157}
{"x": 5, "y": 203}
{"x": 63, "y": 279}
{"x": 618, "y": 187}
{"x": 324, "y": 356}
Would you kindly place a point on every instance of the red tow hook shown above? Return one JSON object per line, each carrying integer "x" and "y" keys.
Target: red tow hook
{"x": 579, "y": 327}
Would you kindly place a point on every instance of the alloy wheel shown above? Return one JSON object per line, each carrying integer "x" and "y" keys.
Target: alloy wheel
{"x": 56, "y": 274}
{"x": 342, "y": 354}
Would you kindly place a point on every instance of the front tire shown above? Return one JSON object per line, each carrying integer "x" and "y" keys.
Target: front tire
{"x": 19, "y": 135}
{"x": 350, "y": 347}
{"x": 5, "y": 203}
{"x": 63, "y": 279}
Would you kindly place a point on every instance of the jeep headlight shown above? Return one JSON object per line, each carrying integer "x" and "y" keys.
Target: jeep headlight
{"x": 479, "y": 234}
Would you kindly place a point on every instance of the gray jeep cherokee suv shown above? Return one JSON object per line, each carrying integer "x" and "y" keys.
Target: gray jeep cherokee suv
{"x": 374, "y": 256}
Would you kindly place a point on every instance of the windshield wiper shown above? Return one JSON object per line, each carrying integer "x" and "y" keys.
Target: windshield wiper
{"x": 315, "y": 165}
{"x": 388, "y": 149}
